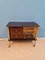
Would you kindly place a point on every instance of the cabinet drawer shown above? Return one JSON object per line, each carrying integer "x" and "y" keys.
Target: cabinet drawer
{"x": 28, "y": 29}
{"x": 28, "y": 35}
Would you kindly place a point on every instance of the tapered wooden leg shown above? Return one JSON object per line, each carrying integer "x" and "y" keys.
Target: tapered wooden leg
{"x": 9, "y": 44}
{"x": 34, "y": 42}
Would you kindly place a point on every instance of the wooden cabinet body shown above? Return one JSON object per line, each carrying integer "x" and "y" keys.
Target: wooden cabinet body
{"x": 22, "y": 31}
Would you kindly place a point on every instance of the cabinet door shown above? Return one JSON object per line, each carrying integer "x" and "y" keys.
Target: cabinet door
{"x": 16, "y": 32}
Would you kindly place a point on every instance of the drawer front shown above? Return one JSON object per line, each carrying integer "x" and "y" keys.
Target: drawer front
{"x": 28, "y": 36}
{"x": 28, "y": 30}
{"x": 16, "y": 32}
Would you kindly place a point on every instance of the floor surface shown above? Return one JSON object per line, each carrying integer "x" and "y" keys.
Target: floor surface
{"x": 22, "y": 50}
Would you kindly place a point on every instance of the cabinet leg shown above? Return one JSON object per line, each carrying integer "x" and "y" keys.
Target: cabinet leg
{"x": 9, "y": 44}
{"x": 34, "y": 45}
{"x": 34, "y": 42}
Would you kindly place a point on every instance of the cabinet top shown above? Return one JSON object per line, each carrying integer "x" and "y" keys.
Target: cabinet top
{"x": 22, "y": 24}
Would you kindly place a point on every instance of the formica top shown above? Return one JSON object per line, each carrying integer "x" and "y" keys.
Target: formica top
{"x": 22, "y": 24}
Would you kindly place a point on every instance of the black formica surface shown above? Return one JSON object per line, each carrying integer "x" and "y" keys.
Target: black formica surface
{"x": 21, "y": 24}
